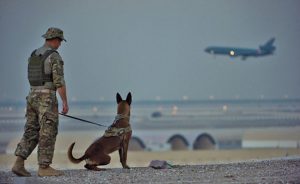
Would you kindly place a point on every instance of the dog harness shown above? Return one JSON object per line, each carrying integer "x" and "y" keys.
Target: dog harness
{"x": 114, "y": 131}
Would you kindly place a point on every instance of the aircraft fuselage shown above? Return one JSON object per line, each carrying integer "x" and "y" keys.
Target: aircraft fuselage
{"x": 235, "y": 51}
{"x": 263, "y": 50}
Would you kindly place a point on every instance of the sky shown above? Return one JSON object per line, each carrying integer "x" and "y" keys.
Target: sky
{"x": 155, "y": 49}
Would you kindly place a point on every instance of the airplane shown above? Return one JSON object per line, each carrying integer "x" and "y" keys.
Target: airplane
{"x": 263, "y": 50}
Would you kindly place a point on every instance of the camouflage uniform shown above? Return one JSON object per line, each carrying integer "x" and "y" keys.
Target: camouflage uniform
{"x": 42, "y": 112}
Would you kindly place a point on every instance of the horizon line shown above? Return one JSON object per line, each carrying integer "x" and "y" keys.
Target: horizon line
{"x": 165, "y": 100}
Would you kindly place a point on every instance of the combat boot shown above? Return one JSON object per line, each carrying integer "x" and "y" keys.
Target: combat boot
{"x": 19, "y": 168}
{"x": 48, "y": 171}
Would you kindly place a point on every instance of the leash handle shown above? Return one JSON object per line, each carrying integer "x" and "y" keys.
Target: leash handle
{"x": 81, "y": 119}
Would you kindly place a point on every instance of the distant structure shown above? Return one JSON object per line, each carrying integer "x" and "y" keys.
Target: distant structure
{"x": 156, "y": 114}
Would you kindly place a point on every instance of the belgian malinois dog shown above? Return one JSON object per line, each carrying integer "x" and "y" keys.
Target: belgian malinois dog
{"x": 116, "y": 137}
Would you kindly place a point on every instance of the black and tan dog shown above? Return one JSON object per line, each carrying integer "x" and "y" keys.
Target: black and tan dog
{"x": 116, "y": 137}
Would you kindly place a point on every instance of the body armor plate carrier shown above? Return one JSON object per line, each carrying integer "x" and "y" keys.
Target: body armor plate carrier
{"x": 36, "y": 69}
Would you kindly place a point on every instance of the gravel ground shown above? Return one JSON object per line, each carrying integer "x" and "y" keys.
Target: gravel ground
{"x": 285, "y": 170}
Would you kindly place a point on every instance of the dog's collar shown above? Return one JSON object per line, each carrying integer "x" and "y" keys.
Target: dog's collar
{"x": 121, "y": 116}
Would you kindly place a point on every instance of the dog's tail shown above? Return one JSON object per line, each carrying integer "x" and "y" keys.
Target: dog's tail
{"x": 70, "y": 155}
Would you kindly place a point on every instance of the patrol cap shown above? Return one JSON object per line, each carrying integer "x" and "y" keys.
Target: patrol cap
{"x": 54, "y": 32}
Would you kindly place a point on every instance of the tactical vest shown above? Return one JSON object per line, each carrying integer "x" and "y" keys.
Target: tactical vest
{"x": 36, "y": 69}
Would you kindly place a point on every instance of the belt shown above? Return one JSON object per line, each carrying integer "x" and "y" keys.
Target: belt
{"x": 42, "y": 90}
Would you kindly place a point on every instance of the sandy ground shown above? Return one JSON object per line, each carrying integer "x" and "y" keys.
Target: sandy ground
{"x": 143, "y": 158}
{"x": 216, "y": 166}
{"x": 285, "y": 170}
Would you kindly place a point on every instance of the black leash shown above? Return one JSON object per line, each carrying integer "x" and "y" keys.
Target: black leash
{"x": 82, "y": 120}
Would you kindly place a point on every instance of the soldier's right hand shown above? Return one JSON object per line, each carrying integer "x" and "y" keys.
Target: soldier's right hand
{"x": 65, "y": 108}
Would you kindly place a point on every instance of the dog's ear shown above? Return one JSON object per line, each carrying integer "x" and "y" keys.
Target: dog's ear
{"x": 129, "y": 98}
{"x": 119, "y": 98}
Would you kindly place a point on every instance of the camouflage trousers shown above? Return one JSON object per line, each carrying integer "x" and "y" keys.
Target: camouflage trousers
{"x": 41, "y": 127}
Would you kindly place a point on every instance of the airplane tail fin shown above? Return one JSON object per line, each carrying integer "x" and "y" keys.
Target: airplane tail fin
{"x": 269, "y": 45}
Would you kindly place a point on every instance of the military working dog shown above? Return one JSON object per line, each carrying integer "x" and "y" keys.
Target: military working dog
{"x": 116, "y": 137}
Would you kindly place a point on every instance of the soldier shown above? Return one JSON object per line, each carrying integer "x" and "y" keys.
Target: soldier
{"x": 46, "y": 76}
